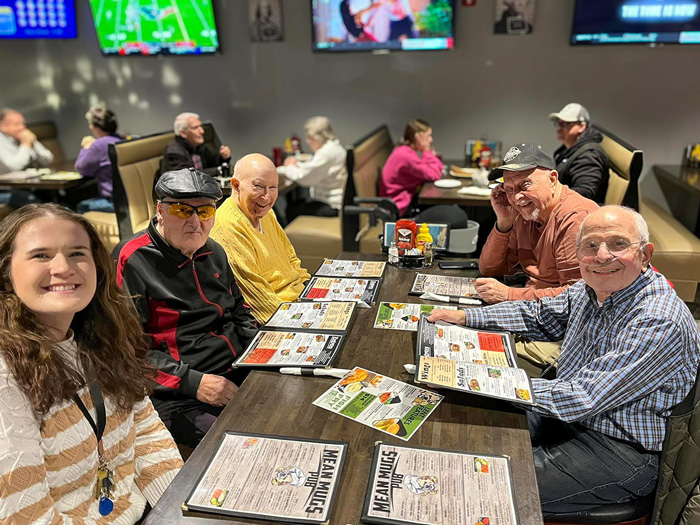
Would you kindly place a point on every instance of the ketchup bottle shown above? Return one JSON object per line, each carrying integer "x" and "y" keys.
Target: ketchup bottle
{"x": 405, "y": 235}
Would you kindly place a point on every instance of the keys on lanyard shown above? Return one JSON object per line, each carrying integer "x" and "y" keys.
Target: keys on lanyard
{"x": 103, "y": 487}
{"x": 105, "y": 476}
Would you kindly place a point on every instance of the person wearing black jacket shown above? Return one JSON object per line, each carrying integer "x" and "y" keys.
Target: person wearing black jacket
{"x": 581, "y": 162}
{"x": 189, "y": 303}
{"x": 187, "y": 149}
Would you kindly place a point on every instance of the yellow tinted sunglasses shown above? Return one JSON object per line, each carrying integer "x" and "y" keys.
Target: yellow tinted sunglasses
{"x": 185, "y": 211}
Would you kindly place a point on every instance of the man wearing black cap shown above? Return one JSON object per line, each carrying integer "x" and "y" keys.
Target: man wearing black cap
{"x": 581, "y": 162}
{"x": 537, "y": 220}
{"x": 189, "y": 303}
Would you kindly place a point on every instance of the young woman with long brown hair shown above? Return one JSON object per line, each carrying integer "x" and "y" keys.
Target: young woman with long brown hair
{"x": 80, "y": 437}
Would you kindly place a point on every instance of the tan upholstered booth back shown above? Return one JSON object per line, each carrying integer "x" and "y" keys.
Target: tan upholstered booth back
{"x": 316, "y": 238}
{"x": 370, "y": 156}
{"x": 47, "y": 134}
{"x": 134, "y": 166}
{"x": 625, "y": 168}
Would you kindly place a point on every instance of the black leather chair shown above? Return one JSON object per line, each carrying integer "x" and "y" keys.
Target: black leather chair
{"x": 630, "y": 513}
{"x": 677, "y": 487}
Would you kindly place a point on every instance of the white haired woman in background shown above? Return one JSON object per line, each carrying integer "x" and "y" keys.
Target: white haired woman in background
{"x": 324, "y": 173}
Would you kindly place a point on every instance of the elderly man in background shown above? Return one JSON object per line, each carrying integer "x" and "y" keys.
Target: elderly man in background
{"x": 187, "y": 149}
{"x": 19, "y": 150}
{"x": 630, "y": 354}
{"x": 324, "y": 173}
{"x": 190, "y": 306}
{"x": 537, "y": 219}
{"x": 581, "y": 162}
{"x": 263, "y": 260}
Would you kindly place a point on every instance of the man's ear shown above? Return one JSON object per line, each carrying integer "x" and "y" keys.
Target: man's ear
{"x": 235, "y": 185}
{"x": 647, "y": 252}
{"x": 553, "y": 177}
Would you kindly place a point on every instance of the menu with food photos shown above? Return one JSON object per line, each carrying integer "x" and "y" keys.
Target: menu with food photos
{"x": 459, "y": 343}
{"x": 343, "y": 268}
{"x": 403, "y": 316}
{"x": 362, "y": 291}
{"x": 275, "y": 349}
{"x": 324, "y": 317}
{"x": 470, "y": 361}
{"x": 443, "y": 285}
{"x": 444, "y": 487}
{"x": 300, "y": 334}
{"x": 270, "y": 478}
{"x": 380, "y": 402}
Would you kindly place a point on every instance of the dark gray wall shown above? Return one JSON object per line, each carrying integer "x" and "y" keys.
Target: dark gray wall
{"x": 256, "y": 94}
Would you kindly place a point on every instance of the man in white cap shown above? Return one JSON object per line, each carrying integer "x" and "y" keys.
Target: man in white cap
{"x": 581, "y": 162}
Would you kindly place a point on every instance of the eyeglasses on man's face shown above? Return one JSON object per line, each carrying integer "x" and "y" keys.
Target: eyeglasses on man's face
{"x": 185, "y": 211}
{"x": 616, "y": 247}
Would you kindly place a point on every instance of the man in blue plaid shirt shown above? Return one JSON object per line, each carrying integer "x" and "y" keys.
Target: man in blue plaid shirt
{"x": 630, "y": 354}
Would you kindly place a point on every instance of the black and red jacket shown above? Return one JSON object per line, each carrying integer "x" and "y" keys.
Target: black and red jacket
{"x": 191, "y": 309}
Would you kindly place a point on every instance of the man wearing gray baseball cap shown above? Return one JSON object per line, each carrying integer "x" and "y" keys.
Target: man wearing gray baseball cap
{"x": 189, "y": 303}
{"x": 537, "y": 221}
{"x": 581, "y": 162}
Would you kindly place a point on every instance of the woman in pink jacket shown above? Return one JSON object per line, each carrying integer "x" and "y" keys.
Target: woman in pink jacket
{"x": 410, "y": 164}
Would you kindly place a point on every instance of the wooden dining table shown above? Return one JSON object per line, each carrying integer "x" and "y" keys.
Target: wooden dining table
{"x": 430, "y": 194}
{"x": 270, "y": 403}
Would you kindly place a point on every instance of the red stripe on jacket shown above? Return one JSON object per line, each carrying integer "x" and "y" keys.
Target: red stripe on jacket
{"x": 162, "y": 326}
{"x": 127, "y": 251}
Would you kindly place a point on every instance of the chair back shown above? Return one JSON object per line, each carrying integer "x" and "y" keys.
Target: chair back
{"x": 47, "y": 134}
{"x": 626, "y": 163}
{"x": 677, "y": 491}
{"x": 134, "y": 167}
{"x": 211, "y": 138}
{"x": 364, "y": 162}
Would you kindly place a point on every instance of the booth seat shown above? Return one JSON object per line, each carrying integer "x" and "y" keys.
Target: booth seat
{"x": 317, "y": 238}
{"x": 47, "y": 133}
{"x": 106, "y": 226}
{"x": 135, "y": 164}
{"x": 625, "y": 168}
{"x": 676, "y": 250}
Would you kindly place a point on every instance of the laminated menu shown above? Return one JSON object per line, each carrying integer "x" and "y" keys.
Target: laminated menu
{"x": 270, "y": 478}
{"x": 438, "y": 487}
{"x": 333, "y": 317}
{"x": 343, "y": 268}
{"x": 380, "y": 402}
{"x": 444, "y": 285}
{"x": 470, "y": 361}
{"x": 300, "y": 335}
{"x": 459, "y": 343}
{"x": 403, "y": 316}
{"x": 362, "y": 291}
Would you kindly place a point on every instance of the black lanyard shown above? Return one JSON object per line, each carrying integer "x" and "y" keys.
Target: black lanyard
{"x": 99, "y": 402}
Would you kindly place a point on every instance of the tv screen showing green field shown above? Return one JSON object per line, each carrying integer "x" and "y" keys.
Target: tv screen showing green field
{"x": 152, "y": 27}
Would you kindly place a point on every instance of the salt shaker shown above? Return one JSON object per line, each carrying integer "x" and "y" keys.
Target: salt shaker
{"x": 428, "y": 255}
{"x": 393, "y": 254}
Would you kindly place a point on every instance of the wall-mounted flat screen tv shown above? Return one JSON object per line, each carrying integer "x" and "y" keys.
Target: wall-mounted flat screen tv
{"x": 636, "y": 22}
{"x": 37, "y": 19}
{"x": 155, "y": 27}
{"x": 378, "y": 25}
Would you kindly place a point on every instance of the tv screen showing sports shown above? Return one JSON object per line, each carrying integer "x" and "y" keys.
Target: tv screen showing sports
{"x": 37, "y": 19}
{"x": 155, "y": 27}
{"x": 374, "y": 25}
{"x": 636, "y": 22}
